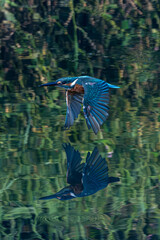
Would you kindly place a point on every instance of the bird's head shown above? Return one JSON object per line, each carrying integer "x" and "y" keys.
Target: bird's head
{"x": 64, "y": 194}
{"x": 66, "y": 83}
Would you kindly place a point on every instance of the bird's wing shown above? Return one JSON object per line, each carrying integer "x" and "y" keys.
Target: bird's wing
{"x": 95, "y": 173}
{"x": 74, "y": 166}
{"x": 96, "y": 99}
{"x": 73, "y": 101}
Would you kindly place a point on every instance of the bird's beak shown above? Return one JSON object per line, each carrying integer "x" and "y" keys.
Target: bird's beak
{"x": 49, "y": 84}
{"x": 48, "y": 197}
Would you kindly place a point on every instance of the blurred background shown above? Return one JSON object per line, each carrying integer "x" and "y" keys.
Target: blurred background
{"x": 114, "y": 40}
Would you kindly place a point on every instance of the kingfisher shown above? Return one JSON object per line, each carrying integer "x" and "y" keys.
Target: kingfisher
{"x": 92, "y": 92}
{"x": 84, "y": 178}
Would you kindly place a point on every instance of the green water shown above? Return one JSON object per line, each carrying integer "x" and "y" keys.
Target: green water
{"x": 41, "y": 41}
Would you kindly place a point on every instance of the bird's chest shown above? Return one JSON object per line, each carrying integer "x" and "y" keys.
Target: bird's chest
{"x": 77, "y": 189}
{"x": 76, "y": 89}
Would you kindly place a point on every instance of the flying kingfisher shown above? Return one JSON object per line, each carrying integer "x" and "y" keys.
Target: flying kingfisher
{"x": 92, "y": 92}
{"x": 84, "y": 178}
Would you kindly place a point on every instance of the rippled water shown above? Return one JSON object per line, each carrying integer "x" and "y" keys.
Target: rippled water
{"x": 38, "y": 45}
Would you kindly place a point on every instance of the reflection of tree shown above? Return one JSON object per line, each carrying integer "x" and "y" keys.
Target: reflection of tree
{"x": 48, "y": 38}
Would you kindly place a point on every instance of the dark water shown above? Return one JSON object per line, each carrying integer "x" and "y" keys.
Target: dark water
{"x": 42, "y": 41}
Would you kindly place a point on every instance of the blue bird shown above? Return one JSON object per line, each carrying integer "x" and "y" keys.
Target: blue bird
{"x": 92, "y": 92}
{"x": 84, "y": 178}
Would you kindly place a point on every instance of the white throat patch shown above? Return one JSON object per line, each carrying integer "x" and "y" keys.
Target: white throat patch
{"x": 74, "y": 82}
{"x": 72, "y": 194}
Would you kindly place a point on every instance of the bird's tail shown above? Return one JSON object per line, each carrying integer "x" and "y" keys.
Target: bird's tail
{"x": 113, "y": 179}
{"x": 112, "y": 86}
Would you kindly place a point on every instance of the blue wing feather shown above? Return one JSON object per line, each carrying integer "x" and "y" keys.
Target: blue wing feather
{"x": 95, "y": 173}
{"x": 74, "y": 166}
{"x": 73, "y": 108}
{"x": 96, "y": 99}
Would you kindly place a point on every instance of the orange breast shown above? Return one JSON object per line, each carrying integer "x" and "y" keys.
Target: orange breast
{"x": 77, "y": 89}
{"x": 77, "y": 189}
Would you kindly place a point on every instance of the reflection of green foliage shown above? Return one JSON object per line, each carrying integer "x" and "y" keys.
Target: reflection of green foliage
{"x": 116, "y": 41}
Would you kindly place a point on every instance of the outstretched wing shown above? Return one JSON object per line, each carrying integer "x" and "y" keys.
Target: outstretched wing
{"x": 73, "y": 101}
{"x": 96, "y": 99}
{"x": 74, "y": 166}
{"x": 95, "y": 173}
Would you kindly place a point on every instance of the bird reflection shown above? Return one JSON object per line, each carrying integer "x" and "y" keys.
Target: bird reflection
{"x": 84, "y": 178}
{"x": 92, "y": 92}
